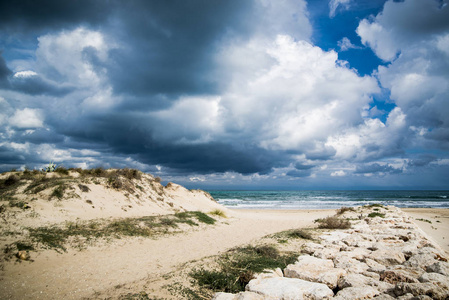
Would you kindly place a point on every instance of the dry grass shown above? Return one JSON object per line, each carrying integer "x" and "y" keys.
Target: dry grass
{"x": 333, "y": 223}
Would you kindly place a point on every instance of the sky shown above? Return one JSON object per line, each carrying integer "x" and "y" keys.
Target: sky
{"x": 230, "y": 94}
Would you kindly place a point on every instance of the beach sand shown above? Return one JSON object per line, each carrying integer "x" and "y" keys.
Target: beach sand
{"x": 434, "y": 222}
{"x": 133, "y": 265}
{"x": 137, "y": 262}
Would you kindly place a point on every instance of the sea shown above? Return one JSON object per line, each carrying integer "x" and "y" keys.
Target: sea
{"x": 329, "y": 199}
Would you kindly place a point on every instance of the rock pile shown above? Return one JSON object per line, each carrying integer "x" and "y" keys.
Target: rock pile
{"x": 383, "y": 256}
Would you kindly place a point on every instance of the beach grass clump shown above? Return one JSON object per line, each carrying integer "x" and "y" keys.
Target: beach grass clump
{"x": 344, "y": 209}
{"x": 18, "y": 203}
{"x": 238, "y": 266}
{"x": 218, "y": 213}
{"x": 9, "y": 184}
{"x": 333, "y": 223}
{"x": 58, "y": 191}
{"x": 299, "y": 234}
{"x": 376, "y": 214}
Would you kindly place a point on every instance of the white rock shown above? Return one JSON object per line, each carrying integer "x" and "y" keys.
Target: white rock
{"x": 223, "y": 296}
{"x": 350, "y": 265}
{"x": 374, "y": 266}
{"x": 438, "y": 279}
{"x": 289, "y": 288}
{"x": 316, "y": 270}
{"x": 417, "y": 289}
{"x": 440, "y": 267}
{"x": 239, "y": 296}
{"x": 420, "y": 261}
{"x": 270, "y": 274}
{"x": 388, "y": 256}
{"x": 352, "y": 280}
{"x": 334, "y": 236}
{"x": 357, "y": 293}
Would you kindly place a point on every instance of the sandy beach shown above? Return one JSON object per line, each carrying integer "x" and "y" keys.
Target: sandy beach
{"x": 132, "y": 263}
{"x": 434, "y": 222}
{"x": 135, "y": 264}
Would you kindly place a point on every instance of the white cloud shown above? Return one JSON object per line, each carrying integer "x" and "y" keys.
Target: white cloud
{"x": 345, "y": 44}
{"x": 339, "y": 173}
{"x": 25, "y": 74}
{"x": 64, "y": 52}
{"x": 335, "y": 4}
{"x": 414, "y": 35}
{"x": 27, "y": 118}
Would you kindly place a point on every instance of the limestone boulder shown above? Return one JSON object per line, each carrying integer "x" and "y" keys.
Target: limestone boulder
{"x": 239, "y": 296}
{"x": 440, "y": 267}
{"x": 388, "y": 256}
{"x": 374, "y": 266}
{"x": 357, "y": 293}
{"x": 350, "y": 264}
{"x": 316, "y": 270}
{"x": 353, "y": 280}
{"x": 289, "y": 288}
{"x": 420, "y": 261}
{"x": 424, "y": 288}
{"x": 435, "y": 278}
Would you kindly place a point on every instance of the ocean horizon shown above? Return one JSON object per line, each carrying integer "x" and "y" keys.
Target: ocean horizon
{"x": 327, "y": 199}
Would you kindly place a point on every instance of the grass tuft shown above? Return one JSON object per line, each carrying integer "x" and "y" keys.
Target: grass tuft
{"x": 376, "y": 214}
{"x": 333, "y": 223}
{"x": 218, "y": 213}
{"x": 238, "y": 267}
{"x": 300, "y": 233}
{"x": 344, "y": 209}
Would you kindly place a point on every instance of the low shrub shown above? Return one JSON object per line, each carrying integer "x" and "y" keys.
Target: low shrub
{"x": 344, "y": 209}
{"x": 376, "y": 214}
{"x": 238, "y": 266}
{"x": 300, "y": 233}
{"x": 219, "y": 213}
{"x": 333, "y": 223}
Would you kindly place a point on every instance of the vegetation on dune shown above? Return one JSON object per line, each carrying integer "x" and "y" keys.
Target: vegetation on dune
{"x": 344, "y": 209}
{"x": 56, "y": 237}
{"x": 238, "y": 266}
{"x": 376, "y": 214}
{"x": 37, "y": 181}
{"x": 333, "y": 223}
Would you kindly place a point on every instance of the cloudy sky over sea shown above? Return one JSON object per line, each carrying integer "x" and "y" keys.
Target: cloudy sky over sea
{"x": 229, "y": 93}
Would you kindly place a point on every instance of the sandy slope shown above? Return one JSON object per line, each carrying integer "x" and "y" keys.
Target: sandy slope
{"x": 438, "y": 229}
{"x": 74, "y": 275}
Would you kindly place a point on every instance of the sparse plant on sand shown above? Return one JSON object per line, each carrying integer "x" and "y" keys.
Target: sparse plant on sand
{"x": 344, "y": 209}
{"x": 333, "y": 223}
{"x": 238, "y": 266}
{"x": 376, "y": 214}
{"x": 219, "y": 213}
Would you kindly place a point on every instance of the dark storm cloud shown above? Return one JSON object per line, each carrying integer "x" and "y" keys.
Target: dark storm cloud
{"x": 299, "y": 173}
{"x": 36, "y": 85}
{"x": 4, "y": 72}
{"x": 22, "y": 16}
{"x": 376, "y": 168}
{"x": 422, "y": 160}
{"x": 38, "y": 136}
{"x": 171, "y": 45}
{"x": 125, "y": 135}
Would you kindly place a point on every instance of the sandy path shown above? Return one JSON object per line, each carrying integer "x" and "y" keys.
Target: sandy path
{"x": 438, "y": 229}
{"x": 74, "y": 275}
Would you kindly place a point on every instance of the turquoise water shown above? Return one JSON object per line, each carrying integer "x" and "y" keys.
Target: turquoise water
{"x": 329, "y": 199}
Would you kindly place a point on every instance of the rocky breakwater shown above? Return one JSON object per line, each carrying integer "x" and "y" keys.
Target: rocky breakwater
{"x": 384, "y": 255}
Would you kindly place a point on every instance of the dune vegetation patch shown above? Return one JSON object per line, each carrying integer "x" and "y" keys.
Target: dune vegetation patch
{"x": 79, "y": 234}
{"x": 333, "y": 222}
{"x": 238, "y": 266}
